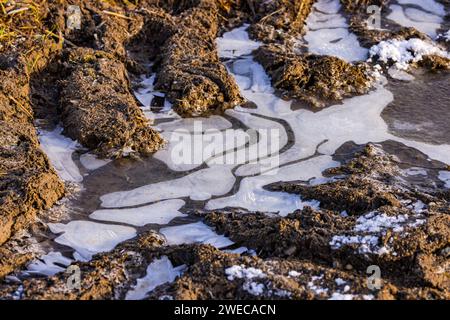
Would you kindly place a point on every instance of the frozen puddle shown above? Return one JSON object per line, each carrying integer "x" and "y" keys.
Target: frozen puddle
{"x": 304, "y": 147}
{"x": 328, "y": 34}
{"x": 160, "y": 271}
{"x": 424, "y": 15}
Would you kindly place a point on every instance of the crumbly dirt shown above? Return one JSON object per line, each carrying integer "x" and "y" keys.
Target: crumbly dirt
{"x": 315, "y": 79}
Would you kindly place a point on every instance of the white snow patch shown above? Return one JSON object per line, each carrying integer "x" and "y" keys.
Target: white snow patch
{"x": 404, "y": 52}
{"x": 369, "y": 227}
{"x": 249, "y": 274}
{"x": 242, "y": 272}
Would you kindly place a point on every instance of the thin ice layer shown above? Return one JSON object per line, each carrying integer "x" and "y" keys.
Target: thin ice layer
{"x": 252, "y": 196}
{"x": 328, "y": 33}
{"x": 199, "y": 185}
{"x": 89, "y": 238}
{"x": 59, "y": 150}
{"x": 49, "y": 264}
{"x": 194, "y": 233}
{"x": 160, "y": 271}
{"x": 236, "y": 43}
{"x": 91, "y": 162}
{"x": 423, "y": 21}
{"x": 158, "y": 213}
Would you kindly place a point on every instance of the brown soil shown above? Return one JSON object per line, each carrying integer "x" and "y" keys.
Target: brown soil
{"x": 312, "y": 78}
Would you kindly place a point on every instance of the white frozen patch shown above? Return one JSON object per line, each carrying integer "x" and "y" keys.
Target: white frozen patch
{"x": 254, "y": 288}
{"x": 91, "y": 162}
{"x": 200, "y": 185}
{"x": 252, "y": 196}
{"x": 146, "y": 93}
{"x": 49, "y": 264}
{"x": 327, "y": 33}
{"x": 427, "y": 23}
{"x": 341, "y": 296}
{"x": 236, "y": 43}
{"x": 158, "y": 213}
{"x": 59, "y": 150}
{"x": 445, "y": 177}
{"x": 428, "y": 5}
{"x": 89, "y": 238}
{"x": 316, "y": 288}
{"x": 418, "y": 206}
{"x": 187, "y": 151}
{"x": 160, "y": 271}
{"x": 239, "y": 250}
{"x": 404, "y": 52}
{"x": 241, "y": 272}
{"x": 400, "y": 74}
{"x": 188, "y": 124}
{"x": 248, "y": 274}
{"x": 194, "y": 233}
{"x": 415, "y": 172}
{"x": 369, "y": 227}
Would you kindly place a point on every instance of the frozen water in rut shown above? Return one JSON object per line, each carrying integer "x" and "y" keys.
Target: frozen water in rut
{"x": 316, "y": 138}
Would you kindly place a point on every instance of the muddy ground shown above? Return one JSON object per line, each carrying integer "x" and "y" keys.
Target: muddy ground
{"x": 82, "y": 79}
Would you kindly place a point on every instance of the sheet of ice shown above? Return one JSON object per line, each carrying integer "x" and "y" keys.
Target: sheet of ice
{"x": 397, "y": 74}
{"x": 428, "y": 5}
{"x": 252, "y": 196}
{"x": 194, "y": 233}
{"x": 410, "y": 17}
{"x": 186, "y": 151}
{"x": 91, "y": 162}
{"x": 49, "y": 264}
{"x": 236, "y": 43}
{"x": 89, "y": 238}
{"x": 59, "y": 150}
{"x": 160, "y": 271}
{"x": 445, "y": 177}
{"x": 327, "y": 33}
{"x": 188, "y": 124}
{"x": 414, "y": 171}
{"x": 158, "y": 213}
{"x": 199, "y": 185}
